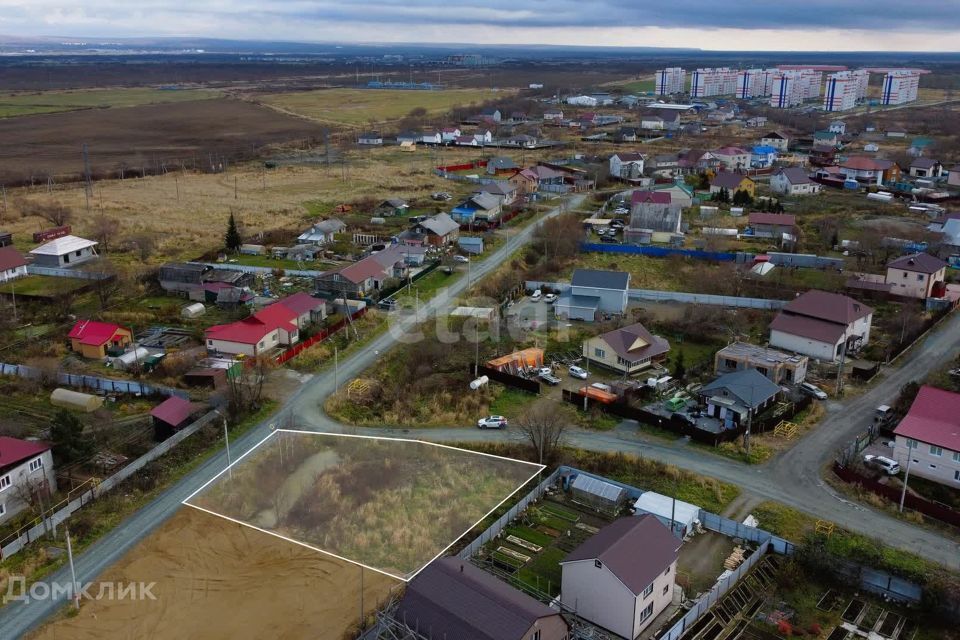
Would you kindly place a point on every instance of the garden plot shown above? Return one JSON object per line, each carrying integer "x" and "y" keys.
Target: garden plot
{"x": 391, "y": 505}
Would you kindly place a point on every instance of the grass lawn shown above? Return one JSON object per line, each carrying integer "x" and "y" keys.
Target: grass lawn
{"x": 43, "y": 286}
{"x": 511, "y": 402}
{"x": 645, "y": 272}
{"x": 21, "y": 104}
{"x": 530, "y": 535}
{"x": 267, "y": 261}
{"x": 543, "y": 572}
{"x": 428, "y": 285}
{"x": 358, "y": 107}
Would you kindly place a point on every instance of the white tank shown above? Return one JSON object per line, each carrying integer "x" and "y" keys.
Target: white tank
{"x": 479, "y": 382}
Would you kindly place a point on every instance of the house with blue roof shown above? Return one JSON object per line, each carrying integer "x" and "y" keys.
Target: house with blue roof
{"x": 762, "y": 156}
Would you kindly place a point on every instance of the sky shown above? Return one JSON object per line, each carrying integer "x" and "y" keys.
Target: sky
{"x": 783, "y": 25}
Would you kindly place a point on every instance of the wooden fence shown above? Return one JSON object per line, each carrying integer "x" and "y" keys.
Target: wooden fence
{"x": 918, "y": 503}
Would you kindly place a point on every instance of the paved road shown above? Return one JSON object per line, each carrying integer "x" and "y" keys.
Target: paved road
{"x": 793, "y": 478}
{"x": 16, "y": 619}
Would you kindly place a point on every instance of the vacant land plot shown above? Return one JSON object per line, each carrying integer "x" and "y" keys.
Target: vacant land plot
{"x": 356, "y": 107}
{"x": 217, "y": 579}
{"x": 138, "y": 138}
{"x": 392, "y": 505}
{"x": 20, "y": 104}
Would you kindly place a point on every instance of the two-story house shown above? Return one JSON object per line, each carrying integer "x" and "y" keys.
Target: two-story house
{"x": 594, "y": 291}
{"x": 928, "y": 437}
{"x": 26, "y": 474}
{"x": 919, "y": 275}
{"x": 822, "y": 325}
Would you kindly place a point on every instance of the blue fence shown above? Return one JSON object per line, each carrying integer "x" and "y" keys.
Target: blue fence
{"x": 659, "y": 252}
{"x": 92, "y": 383}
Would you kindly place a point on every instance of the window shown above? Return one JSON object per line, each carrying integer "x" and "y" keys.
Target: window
{"x": 647, "y": 612}
{"x": 598, "y": 564}
{"x": 4, "y": 482}
{"x": 956, "y": 475}
{"x": 209, "y": 343}
{"x": 648, "y": 591}
{"x": 666, "y": 571}
{"x": 35, "y": 464}
{"x": 956, "y": 456}
{"x": 911, "y": 444}
{"x": 936, "y": 451}
{"x": 920, "y": 277}
{"x": 905, "y": 274}
{"x": 3, "y": 508}
{"x": 260, "y": 344}
{"x": 78, "y": 253}
{"x": 666, "y": 588}
{"x": 536, "y": 635}
{"x": 730, "y": 364}
{"x": 600, "y": 353}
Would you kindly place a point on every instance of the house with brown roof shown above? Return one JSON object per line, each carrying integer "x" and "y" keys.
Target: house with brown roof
{"x": 822, "y": 325}
{"x": 12, "y": 264}
{"x": 772, "y": 225}
{"x": 919, "y": 275}
{"x": 622, "y": 577}
{"x": 627, "y": 166}
{"x": 875, "y": 171}
{"x": 928, "y": 437}
{"x": 776, "y": 139}
{"x": 732, "y": 182}
{"x": 793, "y": 181}
{"x": 733, "y": 158}
{"x": 926, "y": 168}
{"x": 453, "y": 599}
{"x": 26, "y": 471}
{"x": 627, "y": 350}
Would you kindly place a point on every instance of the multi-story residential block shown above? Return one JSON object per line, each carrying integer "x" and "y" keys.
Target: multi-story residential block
{"x": 844, "y": 89}
{"x": 755, "y": 83}
{"x": 900, "y": 87}
{"x": 670, "y": 81}
{"x": 708, "y": 82}
{"x": 792, "y": 87}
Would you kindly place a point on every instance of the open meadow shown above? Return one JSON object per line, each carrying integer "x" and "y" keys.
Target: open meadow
{"x": 392, "y": 505}
{"x": 358, "y": 107}
{"x": 218, "y": 579}
{"x": 21, "y": 104}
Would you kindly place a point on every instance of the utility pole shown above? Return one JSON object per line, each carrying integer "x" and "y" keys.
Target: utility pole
{"x": 746, "y": 436}
{"x": 235, "y": 197}
{"x": 906, "y": 476}
{"x": 476, "y": 341}
{"x": 843, "y": 357}
{"x": 74, "y": 587}
{"x": 88, "y": 187}
{"x": 3, "y": 188}
{"x": 226, "y": 436}
{"x": 336, "y": 372}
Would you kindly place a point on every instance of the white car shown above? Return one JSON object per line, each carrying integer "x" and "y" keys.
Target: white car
{"x": 536, "y": 296}
{"x": 544, "y": 371}
{"x": 492, "y": 422}
{"x": 621, "y": 211}
{"x": 813, "y": 390}
{"x": 459, "y": 258}
{"x": 888, "y": 466}
{"x": 550, "y": 298}
{"x": 577, "y": 372}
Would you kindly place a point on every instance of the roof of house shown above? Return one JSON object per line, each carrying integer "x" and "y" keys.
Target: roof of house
{"x": 749, "y": 386}
{"x": 934, "y": 418}
{"x": 440, "y": 224}
{"x": 775, "y": 135}
{"x": 730, "y": 151}
{"x": 63, "y": 246}
{"x": 794, "y": 175}
{"x": 502, "y": 162}
{"x": 13, "y": 451}
{"x": 634, "y": 342}
{"x": 362, "y": 270}
{"x": 396, "y": 203}
{"x": 728, "y": 180}
{"x": 763, "y": 149}
{"x": 193, "y": 267}
{"x": 634, "y": 156}
{"x": 10, "y": 258}
{"x": 94, "y": 333}
{"x": 497, "y": 188}
{"x": 832, "y": 307}
{"x": 301, "y": 303}
{"x": 779, "y": 219}
{"x": 451, "y": 598}
{"x": 819, "y": 330}
{"x": 483, "y": 201}
{"x": 918, "y": 262}
{"x": 370, "y": 134}
{"x": 636, "y": 549}
{"x": 924, "y": 163}
{"x": 655, "y": 197}
{"x": 862, "y": 163}
{"x": 251, "y": 330}
{"x": 174, "y": 411}
{"x": 599, "y": 279}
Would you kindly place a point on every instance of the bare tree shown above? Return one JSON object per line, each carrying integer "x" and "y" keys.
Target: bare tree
{"x": 145, "y": 243}
{"x": 543, "y": 427}
{"x": 108, "y": 283}
{"x": 55, "y": 213}
{"x": 245, "y": 390}
{"x": 104, "y": 229}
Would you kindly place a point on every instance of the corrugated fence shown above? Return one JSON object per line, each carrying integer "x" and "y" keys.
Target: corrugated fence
{"x": 92, "y": 383}
{"x": 676, "y": 296}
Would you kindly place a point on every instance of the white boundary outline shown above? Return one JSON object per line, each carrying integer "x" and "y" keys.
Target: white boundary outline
{"x": 186, "y": 501}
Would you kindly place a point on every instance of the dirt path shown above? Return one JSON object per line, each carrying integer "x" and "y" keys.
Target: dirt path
{"x": 215, "y": 579}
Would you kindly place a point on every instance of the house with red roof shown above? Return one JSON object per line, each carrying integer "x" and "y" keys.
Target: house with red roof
{"x": 928, "y": 437}
{"x": 309, "y": 309}
{"x": 822, "y": 325}
{"x": 919, "y": 275}
{"x": 12, "y": 264}
{"x": 270, "y": 328}
{"x": 170, "y": 416}
{"x": 26, "y": 473}
{"x": 868, "y": 170}
{"x": 91, "y": 339}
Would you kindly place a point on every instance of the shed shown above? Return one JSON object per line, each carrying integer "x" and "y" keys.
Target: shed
{"x": 598, "y": 495}
{"x": 75, "y": 400}
{"x": 684, "y": 515}
{"x": 131, "y": 359}
{"x": 253, "y": 249}
{"x": 471, "y": 244}
{"x": 194, "y": 310}
{"x": 169, "y": 416}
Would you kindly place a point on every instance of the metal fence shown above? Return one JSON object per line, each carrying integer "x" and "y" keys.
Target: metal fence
{"x": 35, "y": 270}
{"x": 734, "y": 529}
{"x": 712, "y": 597}
{"x": 305, "y": 273}
{"x": 493, "y": 530}
{"x": 659, "y": 252}
{"x": 18, "y": 540}
{"x": 675, "y": 296}
{"x": 92, "y": 383}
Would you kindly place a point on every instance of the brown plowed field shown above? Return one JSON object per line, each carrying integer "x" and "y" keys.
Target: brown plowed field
{"x": 141, "y": 138}
{"x": 216, "y": 579}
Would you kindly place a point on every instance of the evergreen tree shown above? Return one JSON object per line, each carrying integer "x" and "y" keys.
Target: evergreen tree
{"x": 232, "y": 240}
{"x": 679, "y": 368}
{"x": 69, "y": 443}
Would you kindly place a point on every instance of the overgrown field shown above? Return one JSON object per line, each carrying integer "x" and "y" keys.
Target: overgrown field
{"x": 356, "y": 107}
{"x": 392, "y": 505}
{"x": 21, "y": 104}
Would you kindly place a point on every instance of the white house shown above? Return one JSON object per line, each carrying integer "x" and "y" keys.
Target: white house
{"x": 622, "y": 577}
{"x": 582, "y": 101}
{"x": 917, "y": 276}
{"x": 370, "y": 138}
{"x": 270, "y": 328}
{"x": 593, "y": 291}
{"x": 838, "y": 127}
{"x": 793, "y": 181}
{"x": 12, "y": 264}
{"x": 323, "y": 232}
{"x": 822, "y": 325}
{"x": 928, "y": 438}
{"x": 776, "y": 139}
{"x": 626, "y": 165}
{"x": 450, "y": 134}
{"x": 26, "y": 472}
{"x": 430, "y": 137}
{"x": 64, "y": 252}
{"x": 553, "y": 114}
{"x": 733, "y": 158}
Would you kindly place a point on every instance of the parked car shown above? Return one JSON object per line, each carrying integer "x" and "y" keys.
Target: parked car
{"x": 441, "y": 196}
{"x": 550, "y": 379}
{"x": 608, "y": 239}
{"x": 550, "y": 298}
{"x": 492, "y": 422}
{"x": 577, "y": 372}
{"x": 536, "y": 296}
{"x": 459, "y": 258}
{"x": 813, "y": 390}
{"x": 882, "y": 463}
{"x": 544, "y": 371}
{"x": 617, "y": 224}
{"x": 621, "y": 211}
